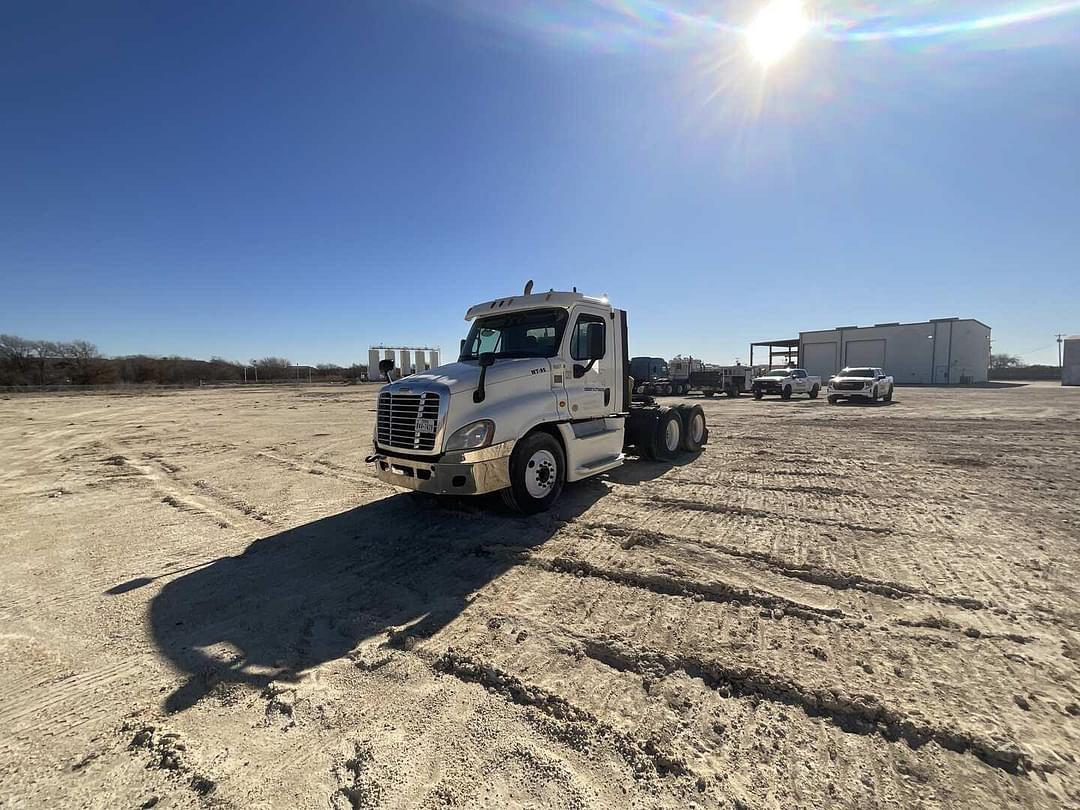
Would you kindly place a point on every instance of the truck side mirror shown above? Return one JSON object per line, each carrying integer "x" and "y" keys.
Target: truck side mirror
{"x": 386, "y": 366}
{"x": 485, "y": 360}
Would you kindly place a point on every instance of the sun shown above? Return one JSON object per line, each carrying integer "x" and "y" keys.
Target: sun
{"x": 776, "y": 30}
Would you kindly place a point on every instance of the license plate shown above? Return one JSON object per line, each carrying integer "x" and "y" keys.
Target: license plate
{"x": 425, "y": 425}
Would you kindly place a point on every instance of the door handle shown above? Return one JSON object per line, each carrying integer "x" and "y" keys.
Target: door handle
{"x": 607, "y": 397}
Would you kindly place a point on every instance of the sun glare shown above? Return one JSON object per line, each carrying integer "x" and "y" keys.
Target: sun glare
{"x": 776, "y": 30}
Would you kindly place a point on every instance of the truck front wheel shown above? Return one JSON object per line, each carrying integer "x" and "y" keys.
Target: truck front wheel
{"x": 786, "y": 393}
{"x": 537, "y": 474}
{"x": 757, "y": 393}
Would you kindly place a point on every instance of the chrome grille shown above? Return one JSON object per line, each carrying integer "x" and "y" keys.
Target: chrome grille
{"x": 843, "y": 385}
{"x": 399, "y": 416}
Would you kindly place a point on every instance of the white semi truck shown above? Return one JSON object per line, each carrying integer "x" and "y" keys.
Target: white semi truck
{"x": 539, "y": 396}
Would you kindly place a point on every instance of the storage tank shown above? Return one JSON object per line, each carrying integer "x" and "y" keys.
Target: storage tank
{"x": 373, "y": 364}
{"x": 433, "y": 358}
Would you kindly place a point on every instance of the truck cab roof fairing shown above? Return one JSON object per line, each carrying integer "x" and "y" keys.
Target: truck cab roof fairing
{"x": 517, "y": 303}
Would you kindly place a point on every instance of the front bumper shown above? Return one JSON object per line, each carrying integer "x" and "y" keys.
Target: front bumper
{"x": 850, "y": 393}
{"x": 475, "y": 472}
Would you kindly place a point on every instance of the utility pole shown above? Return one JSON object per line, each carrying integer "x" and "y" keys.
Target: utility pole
{"x": 1060, "y": 338}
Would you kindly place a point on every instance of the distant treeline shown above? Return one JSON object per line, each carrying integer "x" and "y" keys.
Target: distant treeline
{"x": 78, "y": 362}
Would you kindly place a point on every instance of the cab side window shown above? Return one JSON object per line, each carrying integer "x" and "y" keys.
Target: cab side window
{"x": 579, "y": 339}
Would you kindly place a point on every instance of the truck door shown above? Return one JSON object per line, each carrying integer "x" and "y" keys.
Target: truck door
{"x": 590, "y": 381}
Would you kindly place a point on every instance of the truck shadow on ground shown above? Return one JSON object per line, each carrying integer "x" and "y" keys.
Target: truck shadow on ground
{"x": 403, "y": 565}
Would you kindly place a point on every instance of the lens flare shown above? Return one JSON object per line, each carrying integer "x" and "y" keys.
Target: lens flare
{"x": 628, "y": 25}
{"x": 776, "y": 30}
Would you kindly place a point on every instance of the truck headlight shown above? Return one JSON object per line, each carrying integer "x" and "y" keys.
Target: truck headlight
{"x": 473, "y": 436}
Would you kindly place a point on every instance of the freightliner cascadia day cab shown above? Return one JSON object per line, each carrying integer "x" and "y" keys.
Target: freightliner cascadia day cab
{"x": 539, "y": 396}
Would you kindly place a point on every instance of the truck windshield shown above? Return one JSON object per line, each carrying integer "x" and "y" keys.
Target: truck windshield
{"x": 857, "y": 372}
{"x": 533, "y": 333}
{"x": 779, "y": 372}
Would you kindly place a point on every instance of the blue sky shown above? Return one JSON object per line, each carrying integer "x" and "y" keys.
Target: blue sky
{"x": 305, "y": 179}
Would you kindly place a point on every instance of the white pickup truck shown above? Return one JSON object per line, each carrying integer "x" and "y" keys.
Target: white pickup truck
{"x": 785, "y": 382}
{"x": 863, "y": 382}
{"x": 539, "y": 396}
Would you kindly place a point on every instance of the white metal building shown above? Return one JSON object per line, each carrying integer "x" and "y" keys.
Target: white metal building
{"x": 1070, "y": 361}
{"x": 941, "y": 351}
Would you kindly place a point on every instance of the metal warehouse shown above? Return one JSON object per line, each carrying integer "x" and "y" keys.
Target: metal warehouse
{"x": 1070, "y": 364}
{"x": 941, "y": 351}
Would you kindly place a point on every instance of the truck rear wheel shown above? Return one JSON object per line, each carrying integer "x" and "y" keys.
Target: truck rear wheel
{"x": 667, "y": 437}
{"x": 695, "y": 434}
{"x": 815, "y": 391}
{"x": 537, "y": 474}
{"x": 708, "y": 394}
{"x": 758, "y": 394}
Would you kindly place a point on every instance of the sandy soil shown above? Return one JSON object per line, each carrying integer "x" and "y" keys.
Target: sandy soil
{"x": 207, "y": 600}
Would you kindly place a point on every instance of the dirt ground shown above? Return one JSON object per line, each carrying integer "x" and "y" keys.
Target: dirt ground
{"x": 207, "y": 599}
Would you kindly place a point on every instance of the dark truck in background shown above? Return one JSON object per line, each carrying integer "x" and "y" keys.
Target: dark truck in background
{"x": 654, "y": 376}
{"x": 651, "y": 378}
{"x": 730, "y": 380}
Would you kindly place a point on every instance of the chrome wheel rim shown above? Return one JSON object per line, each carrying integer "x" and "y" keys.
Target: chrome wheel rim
{"x": 671, "y": 435}
{"x": 697, "y": 428}
{"x": 541, "y": 472}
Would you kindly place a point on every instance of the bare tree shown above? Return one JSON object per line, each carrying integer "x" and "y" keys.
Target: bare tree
{"x": 271, "y": 368}
{"x": 16, "y": 356}
{"x": 1005, "y": 361}
{"x": 84, "y": 359}
{"x": 44, "y": 351}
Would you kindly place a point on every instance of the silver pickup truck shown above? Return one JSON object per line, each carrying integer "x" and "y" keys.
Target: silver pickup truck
{"x": 864, "y": 383}
{"x": 785, "y": 382}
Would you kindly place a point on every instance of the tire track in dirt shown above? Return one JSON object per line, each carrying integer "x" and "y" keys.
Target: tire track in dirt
{"x": 854, "y": 713}
{"x": 366, "y": 484}
{"x": 745, "y": 511}
{"x": 575, "y": 726}
{"x": 667, "y": 585}
{"x": 807, "y": 572}
{"x": 66, "y": 703}
{"x": 171, "y": 493}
